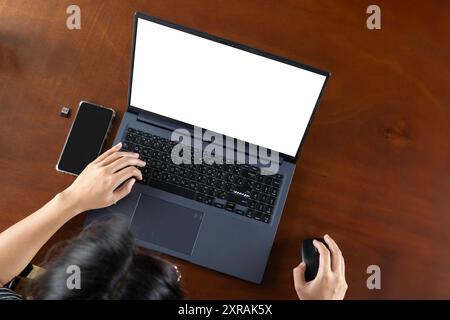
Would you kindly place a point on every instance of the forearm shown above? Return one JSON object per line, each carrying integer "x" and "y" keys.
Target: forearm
{"x": 103, "y": 182}
{"x": 20, "y": 243}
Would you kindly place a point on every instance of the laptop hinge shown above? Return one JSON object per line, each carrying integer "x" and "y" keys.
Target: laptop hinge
{"x": 142, "y": 117}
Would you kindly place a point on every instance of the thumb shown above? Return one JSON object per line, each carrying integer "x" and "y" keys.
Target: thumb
{"x": 124, "y": 190}
{"x": 299, "y": 275}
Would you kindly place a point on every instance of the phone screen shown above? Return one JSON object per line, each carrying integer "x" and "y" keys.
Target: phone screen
{"x": 86, "y": 138}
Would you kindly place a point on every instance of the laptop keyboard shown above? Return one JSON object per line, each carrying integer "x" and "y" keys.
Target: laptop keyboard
{"x": 237, "y": 188}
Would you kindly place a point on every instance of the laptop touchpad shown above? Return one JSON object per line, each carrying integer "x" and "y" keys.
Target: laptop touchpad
{"x": 166, "y": 224}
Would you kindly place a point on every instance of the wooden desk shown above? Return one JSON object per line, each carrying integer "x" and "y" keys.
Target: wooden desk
{"x": 374, "y": 171}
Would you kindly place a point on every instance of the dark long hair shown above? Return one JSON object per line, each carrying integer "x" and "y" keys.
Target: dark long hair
{"x": 110, "y": 267}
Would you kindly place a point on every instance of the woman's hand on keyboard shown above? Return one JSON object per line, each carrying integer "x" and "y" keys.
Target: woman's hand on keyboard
{"x": 106, "y": 180}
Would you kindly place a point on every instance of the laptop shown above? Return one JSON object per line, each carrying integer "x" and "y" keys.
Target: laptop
{"x": 220, "y": 126}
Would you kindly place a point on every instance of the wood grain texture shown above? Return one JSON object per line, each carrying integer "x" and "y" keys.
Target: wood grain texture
{"x": 374, "y": 171}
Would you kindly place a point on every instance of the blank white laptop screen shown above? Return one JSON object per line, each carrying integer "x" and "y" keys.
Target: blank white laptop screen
{"x": 221, "y": 88}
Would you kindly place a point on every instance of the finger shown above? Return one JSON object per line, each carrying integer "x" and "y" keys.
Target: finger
{"x": 343, "y": 267}
{"x": 336, "y": 254}
{"x": 299, "y": 276}
{"x": 117, "y": 155}
{"x": 124, "y": 190}
{"x": 123, "y": 163}
{"x": 108, "y": 152}
{"x": 324, "y": 260}
{"x": 125, "y": 174}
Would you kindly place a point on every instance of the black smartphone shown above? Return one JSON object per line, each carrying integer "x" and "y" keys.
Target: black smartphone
{"x": 86, "y": 137}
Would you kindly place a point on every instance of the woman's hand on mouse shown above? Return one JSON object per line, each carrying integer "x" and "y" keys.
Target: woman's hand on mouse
{"x": 98, "y": 185}
{"x": 329, "y": 284}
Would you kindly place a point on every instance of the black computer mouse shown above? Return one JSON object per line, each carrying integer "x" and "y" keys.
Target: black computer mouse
{"x": 311, "y": 257}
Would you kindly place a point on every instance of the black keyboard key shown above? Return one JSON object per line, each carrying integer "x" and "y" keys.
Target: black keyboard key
{"x": 230, "y": 177}
{"x": 220, "y": 184}
{"x": 249, "y": 213}
{"x": 125, "y": 146}
{"x": 145, "y": 153}
{"x": 147, "y": 142}
{"x": 239, "y": 212}
{"x": 260, "y": 206}
{"x": 209, "y": 200}
{"x": 209, "y": 191}
{"x": 254, "y": 195}
{"x": 218, "y": 205}
{"x": 229, "y": 206}
{"x": 156, "y": 175}
{"x": 201, "y": 188}
{"x": 263, "y": 197}
{"x": 222, "y": 194}
{"x": 192, "y": 175}
{"x": 174, "y": 179}
{"x": 276, "y": 183}
{"x": 219, "y": 174}
{"x": 145, "y": 170}
{"x": 237, "y": 169}
{"x": 258, "y": 215}
{"x": 274, "y": 192}
{"x": 248, "y": 174}
{"x": 192, "y": 185}
{"x": 271, "y": 201}
{"x": 130, "y": 136}
{"x": 157, "y": 145}
{"x": 266, "y": 218}
{"x": 268, "y": 180}
{"x": 183, "y": 173}
{"x": 268, "y": 209}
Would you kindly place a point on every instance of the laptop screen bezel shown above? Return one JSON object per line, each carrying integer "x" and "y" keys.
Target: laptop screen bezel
{"x": 137, "y": 110}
